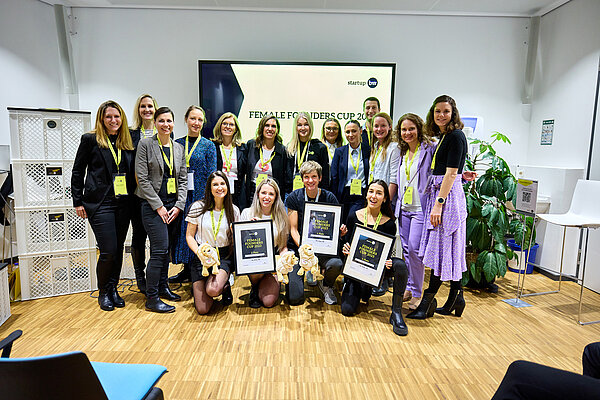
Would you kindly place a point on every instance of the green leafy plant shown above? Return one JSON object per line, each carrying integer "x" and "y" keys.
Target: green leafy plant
{"x": 489, "y": 220}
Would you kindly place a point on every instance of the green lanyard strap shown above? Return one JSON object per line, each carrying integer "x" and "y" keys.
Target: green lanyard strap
{"x": 379, "y": 150}
{"x": 262, "y": 163}
{"x": 435, "y": 154}
{"x": 212, "y": 219}
{"x": 300, "y": 160}
{"x": 355, "y": 166}
{"x": 228, "y": 162}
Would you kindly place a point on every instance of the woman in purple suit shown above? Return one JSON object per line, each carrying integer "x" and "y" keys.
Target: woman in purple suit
{"x": 416, "y": 150}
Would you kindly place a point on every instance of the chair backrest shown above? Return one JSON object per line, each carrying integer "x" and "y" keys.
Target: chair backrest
{"x": 586, "y": 199}
{"x": 62, "y": 376}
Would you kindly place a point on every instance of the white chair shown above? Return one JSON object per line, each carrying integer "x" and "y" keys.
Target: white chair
{"x": 584, "y": 213}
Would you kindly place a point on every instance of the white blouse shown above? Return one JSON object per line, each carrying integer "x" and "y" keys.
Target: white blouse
{"x": 204, "y": 233}
{"x": 386, "y": 168}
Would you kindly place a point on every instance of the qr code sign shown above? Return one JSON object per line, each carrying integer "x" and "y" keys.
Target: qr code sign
{"x": 526, "y": 197}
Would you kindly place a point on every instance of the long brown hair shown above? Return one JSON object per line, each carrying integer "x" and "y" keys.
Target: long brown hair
{"x": 386, "y": 206}
{"x": 261, "y": 128}
{"x": 208, "y": 204}
{"x": 421, "y": 134}
{"x": 455, "y": 122}
{"x": 391, "y": 137}
{"x": 123, "y": 137}
{"x": 339, "y": 141}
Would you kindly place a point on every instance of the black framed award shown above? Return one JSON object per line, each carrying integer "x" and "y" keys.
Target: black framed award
{"x": 369, "y": 249}
{"x": 253, "y": 247}
{"x": 321, "y": 227}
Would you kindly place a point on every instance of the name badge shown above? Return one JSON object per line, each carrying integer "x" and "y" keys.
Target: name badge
{"x": 190, "y": 182}
{"x": 171, "y": 187}
{"x": 260, "y": 178}
{"x": 408, "y": 195}
{"x": 298, "y": 184}
{"x": 120, "y": 185}
{"x": 356, "y": 187}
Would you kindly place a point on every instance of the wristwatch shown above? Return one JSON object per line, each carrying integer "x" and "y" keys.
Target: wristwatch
{"x": 440, "y": 200}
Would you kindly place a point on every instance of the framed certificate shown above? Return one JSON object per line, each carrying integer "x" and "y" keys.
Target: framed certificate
{"x": 253, "y": 247}
{"x": 368, "y": 251}
{"x": 321, "y": 227}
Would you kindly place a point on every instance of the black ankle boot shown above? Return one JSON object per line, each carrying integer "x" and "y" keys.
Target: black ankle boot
{"x": 455, "y": 301}
{"x": 115, "y": 297}
{"x": 104, "y": 300}
{"x": 138, "y": 256}
{"x": 426, "y": 308}
{"x": 254, "y": 300}
{"x": 382, "y": 289}
{"x": 164, "y": 292}
{"x": 398, "y": 323}
{"x": 157, "y": 305}
{"x": 183, "y": 276}
{"x": 226, "y": 296}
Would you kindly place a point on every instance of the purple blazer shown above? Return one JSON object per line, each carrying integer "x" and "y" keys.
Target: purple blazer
{"x": 424, "y": 170}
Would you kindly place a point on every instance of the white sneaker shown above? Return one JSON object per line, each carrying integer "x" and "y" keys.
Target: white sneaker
{"x": 328, "y": 294}
{"x": 231, "y": 280}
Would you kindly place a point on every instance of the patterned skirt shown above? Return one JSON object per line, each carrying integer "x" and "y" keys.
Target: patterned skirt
{"x": 443, "y": 247}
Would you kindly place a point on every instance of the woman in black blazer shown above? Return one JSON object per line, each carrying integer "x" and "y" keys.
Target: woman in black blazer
{"x": 231, "y": 156}
{"x": 349, "y": 176}
{"x": 102, "y": 185}
{"x": 303, "y": 147}
{"x": 267, "y": 157}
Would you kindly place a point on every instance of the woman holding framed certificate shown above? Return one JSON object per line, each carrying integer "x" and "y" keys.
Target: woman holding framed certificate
{"x": 162, "y": 184}
{"x": 102, "y": 185}
{"x": 443, "y": 241}
{"x": 267, "y": 204}
{"x": 200, "y": 161}
{"x": 303, "y": 148}
{"x": 378, "y": 215}
{"x": 209, "y": 221}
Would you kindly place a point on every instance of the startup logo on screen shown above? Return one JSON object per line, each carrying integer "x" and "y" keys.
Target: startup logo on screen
{"x": 372, "y": 82}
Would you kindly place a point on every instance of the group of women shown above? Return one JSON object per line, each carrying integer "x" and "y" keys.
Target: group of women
{"x": 181, "y": 193}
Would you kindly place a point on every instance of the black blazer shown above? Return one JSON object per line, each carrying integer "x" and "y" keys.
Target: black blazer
{"x": 281, "y": 164}
{"x": 98, "y": 163}
{"x": 239, "y": 193}
{"x": 318, "y": 153}
{"x": 339, "y": 168}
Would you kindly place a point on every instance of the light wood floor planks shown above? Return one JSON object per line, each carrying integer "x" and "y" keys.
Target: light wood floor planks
{"x": 312, "y": 351}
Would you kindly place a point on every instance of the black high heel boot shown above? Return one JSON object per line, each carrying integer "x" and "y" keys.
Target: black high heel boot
{"x": 139, "y": 265}
{"x": 104, "y": 299}
{"x": 164, "y": 292}
{"x": 227, "y": 296}
{"x": 254, "y": 300}
{"x": 117, "y": 300}
{"x": 157, "y": 305}
{"x": 455, "y": 302}
{"x": 426, "y": 308}
{"x": 398, "y": 324}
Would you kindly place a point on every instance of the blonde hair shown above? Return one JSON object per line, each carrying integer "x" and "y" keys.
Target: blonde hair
{"x": 391, "y": 137}
{"x": 137, "y": 119}
{"x": 292, "y": 146}
{"x": 123, "y": 137}
{"x": 237, "y": 136}
{"x": 278, "y": 213}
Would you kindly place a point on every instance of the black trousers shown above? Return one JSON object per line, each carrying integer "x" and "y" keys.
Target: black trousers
{"x": 162, "y": 239}
{"x": 138, "y": 237}
{"x": 354, "y": 290}
{"x": 110, "y": 223}
{"x": 331, "y": 267}
{"x": 528, "y": 380}
{"x": 352, "y": 202}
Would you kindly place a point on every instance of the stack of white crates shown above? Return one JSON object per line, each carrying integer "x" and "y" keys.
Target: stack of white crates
{"x": 57, "y": 252}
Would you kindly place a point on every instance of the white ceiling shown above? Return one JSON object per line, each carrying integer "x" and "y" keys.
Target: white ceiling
{"x": 512, "y": 8}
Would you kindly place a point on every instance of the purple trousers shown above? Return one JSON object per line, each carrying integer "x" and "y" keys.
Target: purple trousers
{"x": 410, "y": 237}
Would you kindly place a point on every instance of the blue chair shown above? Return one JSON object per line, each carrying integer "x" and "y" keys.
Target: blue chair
{"x": 74, "y": 376}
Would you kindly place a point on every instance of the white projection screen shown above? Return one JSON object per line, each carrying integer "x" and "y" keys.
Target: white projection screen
{"x": 252, "y": 89}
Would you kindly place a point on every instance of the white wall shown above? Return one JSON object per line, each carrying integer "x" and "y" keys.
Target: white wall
{"x": 564, "y": 90}
{"x": 29, "y": 69}
{"x": 120, "y": 53}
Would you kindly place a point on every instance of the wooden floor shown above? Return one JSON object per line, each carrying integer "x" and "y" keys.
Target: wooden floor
{"x": 312, "y": 351}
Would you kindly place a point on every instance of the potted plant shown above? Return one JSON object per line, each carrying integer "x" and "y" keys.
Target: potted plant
{"x": 488, "y": 219}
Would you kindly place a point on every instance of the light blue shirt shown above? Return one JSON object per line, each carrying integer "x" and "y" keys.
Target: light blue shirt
{"x": 356, "y": 155}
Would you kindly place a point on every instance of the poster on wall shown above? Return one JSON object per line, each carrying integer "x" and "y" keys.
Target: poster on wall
{"x": 547, "y": 131}
{"x": 252, "y": 90}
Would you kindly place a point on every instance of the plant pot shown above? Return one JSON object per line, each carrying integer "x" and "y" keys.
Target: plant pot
{"x": 529, "y": 254}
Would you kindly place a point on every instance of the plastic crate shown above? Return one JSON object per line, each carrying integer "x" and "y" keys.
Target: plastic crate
{"x": 4, "y": 295}
{"x": 46, "y": 275}
{"x": 42, "y": 183}
{"x": 42, "y": 230}
{"x": 38, "y": 134}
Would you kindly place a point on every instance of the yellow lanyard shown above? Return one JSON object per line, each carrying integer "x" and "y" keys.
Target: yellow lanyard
{"x": 300, "y": 160}
{"x": 116, "y": 156}
{"x": 376, "y": 222}
{"x": 329, "y": 151}
{"x": 228, "y": 162}
{"x": 369, "y": 136}
{"x": 435, "y": 154}
{"x": 170, "y": 160}
{"x": 373, "y": 162}
{"x": 262, "y": 163}
{"x": 355, "y": 166}
{"x": 408, "y": 166}
{"x": 188, "y": 155}
{"x": 212, "y": 219}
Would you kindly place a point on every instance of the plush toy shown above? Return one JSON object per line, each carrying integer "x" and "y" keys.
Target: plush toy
{"x": 285, "y": 265}
{"x": 209, "y": 257}
{"x": 309, "y": 262}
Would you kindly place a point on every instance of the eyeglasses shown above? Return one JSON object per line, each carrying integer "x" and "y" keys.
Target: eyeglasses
{"x": 332, "y": 128}
{"x": 228, "y": 125}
